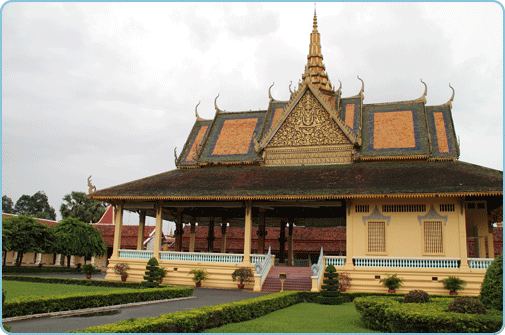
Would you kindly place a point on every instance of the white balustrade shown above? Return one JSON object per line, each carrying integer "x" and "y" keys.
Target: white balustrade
{"x": 263, "y": 264}
{"x": 407, "y": 262}
{"x": 257, "y": 258}
{"x": 135, "y": 254}
{"x": 479, "y": 263}
{"x": 201, "y": 257}
{"x": 334, "y": 260}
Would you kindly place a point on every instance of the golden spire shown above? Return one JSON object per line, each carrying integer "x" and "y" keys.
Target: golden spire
{"x": 315, "y": 68}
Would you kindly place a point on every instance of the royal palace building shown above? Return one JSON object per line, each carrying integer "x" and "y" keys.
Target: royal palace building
{"x": 384, "y": 176}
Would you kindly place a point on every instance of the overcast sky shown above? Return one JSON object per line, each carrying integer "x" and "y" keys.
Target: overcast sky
{"x": 110, "y": 89}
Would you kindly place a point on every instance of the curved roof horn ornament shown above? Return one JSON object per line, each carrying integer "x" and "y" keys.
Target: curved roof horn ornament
{"x": 215, "y": 104}
{"x": 198, "y": 118}
{"x": 291, "y": 82}
{"x": 423, "y": 97}
{"x": 270, "y": 94}
{"x": 339, "y": 91}
{"x": 449, "y": 103}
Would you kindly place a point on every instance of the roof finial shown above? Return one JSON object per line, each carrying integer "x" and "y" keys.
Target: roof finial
{"x": 215, "y": 104}
{"x": 423, "y": 97}
{"x": 449, "y": 103}
{"x": 314, "y": 26}
{"x": 269, "y": 94}
{"x": 198, "y": 118}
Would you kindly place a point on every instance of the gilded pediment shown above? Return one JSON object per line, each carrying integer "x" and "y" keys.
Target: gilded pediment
{"x": 308, "y": 124}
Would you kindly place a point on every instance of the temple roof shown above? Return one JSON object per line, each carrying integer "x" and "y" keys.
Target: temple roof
{"x": 445, "y": 178}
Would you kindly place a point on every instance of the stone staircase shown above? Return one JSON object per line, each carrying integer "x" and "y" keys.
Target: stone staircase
{"x": 297, "y": 279}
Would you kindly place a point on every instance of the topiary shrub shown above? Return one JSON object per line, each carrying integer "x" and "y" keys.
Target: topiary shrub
{"x": 152, "y": 275}
{"x": 466, "y": 305}
{"x": 330, "y": 294}
{"x": 491, "y": 291}
{"x": 417, "y": 296}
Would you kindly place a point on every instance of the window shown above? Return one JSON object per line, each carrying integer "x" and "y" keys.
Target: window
{"x": 376, "y": 236}
{"x": 433, "y": 238}
{"x": 362, "y": 208}
{"x": 447, "y": 207}
{"x": 403, "y": 208}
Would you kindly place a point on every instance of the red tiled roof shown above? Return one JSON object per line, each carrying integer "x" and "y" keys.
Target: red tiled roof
{"x": 108, "y": 216}
{"x": 128, "y": 235}
{"x": 48, "y": 223}
{"x": 304, "y": 239}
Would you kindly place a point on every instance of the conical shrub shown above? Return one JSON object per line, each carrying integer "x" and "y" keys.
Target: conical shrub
{"x": 330, "y": 294}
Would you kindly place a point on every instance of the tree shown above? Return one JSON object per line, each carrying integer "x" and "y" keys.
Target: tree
{"x": 76, "y": 238}
{"x": 25, "y": 234}
{"x": 77, "y": 205}
{"x": 36, "y": 205}
{"x": 7, "y": 205}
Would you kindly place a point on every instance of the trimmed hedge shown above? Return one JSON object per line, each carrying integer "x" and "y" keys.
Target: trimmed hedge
{"x": 85, "y": 282}
{"x": 198, "y": 319}
{"x": 37, "y": 305}
{"x": 35, "y": 269}
{"x": 491, "y": 291}
{"x": 390, "y": 315}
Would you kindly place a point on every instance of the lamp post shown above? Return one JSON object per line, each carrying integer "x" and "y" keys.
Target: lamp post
{"x": 282, "y": 277}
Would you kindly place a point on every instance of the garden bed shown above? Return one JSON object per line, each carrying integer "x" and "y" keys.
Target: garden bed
{"x": 390, "y": 314}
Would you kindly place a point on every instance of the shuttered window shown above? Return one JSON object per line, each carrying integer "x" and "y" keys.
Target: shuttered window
{"x": 433, "y": 238}
{"x": 376, "y": 236}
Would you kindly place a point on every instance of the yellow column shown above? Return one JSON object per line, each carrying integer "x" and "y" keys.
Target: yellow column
{"x": 192, "y": 238}
{"x": 142, "y": 224}
{"x": 247, "y": 233}
{"x": 158, "y": 233}
{"x": 349, "y": 237}
{"x": 463, "y": 252}
{"x": 117, "y": 231}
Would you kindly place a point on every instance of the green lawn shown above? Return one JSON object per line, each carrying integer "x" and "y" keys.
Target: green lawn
{"x": 302, "y": 318}
{"x": 17, "y": 289}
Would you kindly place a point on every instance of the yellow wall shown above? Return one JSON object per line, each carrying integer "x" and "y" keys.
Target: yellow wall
{"x": 404, "y": 234}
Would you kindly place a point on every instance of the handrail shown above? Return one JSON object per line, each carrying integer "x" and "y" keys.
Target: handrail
{"x": 201, "y": 257}
{"x": 135, "y": 254}
{"x": 479, "y": 263}
{"x": 407, "y": 262}
{"x": 263, "y": 267}
{"x": 317, "y": 269}
{"x": 334, "y": 260}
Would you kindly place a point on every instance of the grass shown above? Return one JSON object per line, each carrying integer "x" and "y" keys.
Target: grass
{"x": 17, "y": 289}
{"x": 302, "y": 318}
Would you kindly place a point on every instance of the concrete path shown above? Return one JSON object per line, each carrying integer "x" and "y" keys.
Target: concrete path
{"x": 203, "y": 297}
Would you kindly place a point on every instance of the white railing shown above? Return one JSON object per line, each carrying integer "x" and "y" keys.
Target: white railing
{"x": 257, "y": 258}
{"x": 317, "y": 269}
{"x": 264, "y": 265}
{"x": 406, "y": 262}
{"x": 135, "y": 254}
{"x": 479, "y": 263}
{"x": 334, "y": 260}
{"x": 201, "y": 257}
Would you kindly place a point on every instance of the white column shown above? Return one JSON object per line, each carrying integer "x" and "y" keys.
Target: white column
{"x": 247, "y": 233}
{"x": 117, "y": 231}
{"x": 39, "y": 258}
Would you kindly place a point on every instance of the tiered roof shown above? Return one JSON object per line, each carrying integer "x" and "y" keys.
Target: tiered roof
{"x": 319, "y": 145}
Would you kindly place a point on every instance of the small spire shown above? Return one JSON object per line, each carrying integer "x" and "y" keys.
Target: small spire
{"x": 315, "y": 70}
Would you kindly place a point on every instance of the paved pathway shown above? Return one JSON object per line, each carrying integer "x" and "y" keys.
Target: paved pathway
{"x": 203, "y": 297}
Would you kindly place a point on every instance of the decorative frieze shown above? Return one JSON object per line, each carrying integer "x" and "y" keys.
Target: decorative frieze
{"x": 337, "y": 154}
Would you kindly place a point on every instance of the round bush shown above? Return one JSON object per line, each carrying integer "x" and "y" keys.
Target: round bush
{"x": 491, "y": 291}
{"x": 417, "y": 296}
{"x": 466, "y": 305}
